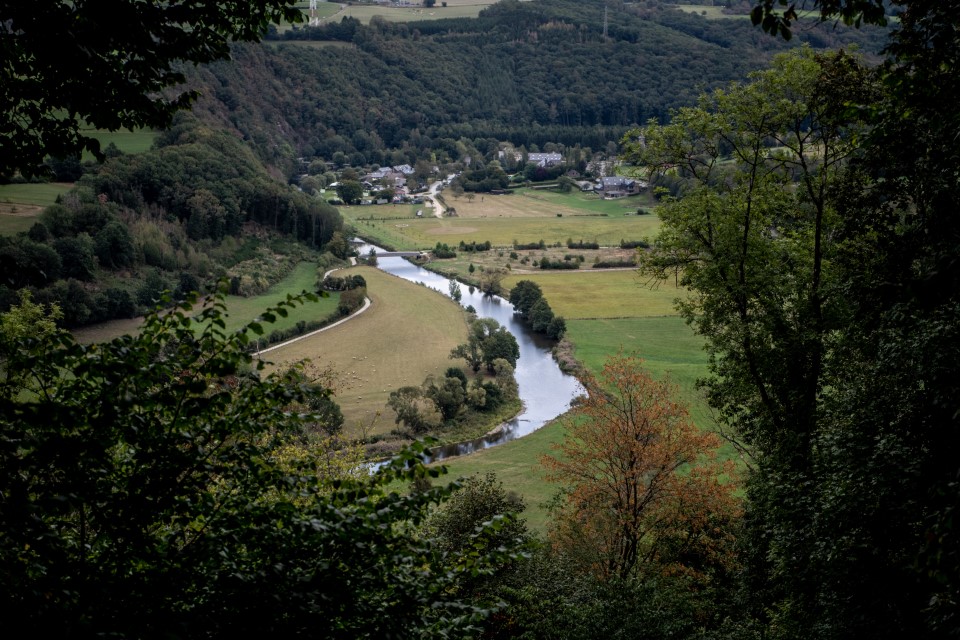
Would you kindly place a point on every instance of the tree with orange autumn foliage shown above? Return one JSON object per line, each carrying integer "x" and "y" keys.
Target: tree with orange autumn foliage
{"x": 643, "y": 492}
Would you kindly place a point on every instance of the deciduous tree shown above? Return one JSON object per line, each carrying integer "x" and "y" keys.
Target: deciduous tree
{"x": 643, "y": 494}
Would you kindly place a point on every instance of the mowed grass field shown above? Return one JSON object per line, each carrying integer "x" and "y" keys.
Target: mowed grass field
{"x": 587, "y": 293}
{"x": 524, "y": 216}
{"x": 405, "y": 335}
{"x": 425, "y": 233}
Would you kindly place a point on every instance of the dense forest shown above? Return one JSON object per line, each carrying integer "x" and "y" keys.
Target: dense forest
{"x": 528, "y": 73}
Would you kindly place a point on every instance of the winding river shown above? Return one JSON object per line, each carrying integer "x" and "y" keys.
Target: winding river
{"x": 545, "y": 390}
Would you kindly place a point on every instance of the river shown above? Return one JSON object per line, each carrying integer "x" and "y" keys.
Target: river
{"x": 545, "y": 390}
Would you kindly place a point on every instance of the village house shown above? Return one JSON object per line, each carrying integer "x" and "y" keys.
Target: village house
{"x": 618, "y": 187}
{"x": 544, "y": 159}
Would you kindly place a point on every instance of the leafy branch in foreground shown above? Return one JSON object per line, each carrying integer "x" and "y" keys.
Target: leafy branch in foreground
{"x": 147, "y": 488}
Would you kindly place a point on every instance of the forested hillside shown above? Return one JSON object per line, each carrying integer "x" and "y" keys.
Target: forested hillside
{"x": 198, "y": 207}
{"x": 528, "y": 73}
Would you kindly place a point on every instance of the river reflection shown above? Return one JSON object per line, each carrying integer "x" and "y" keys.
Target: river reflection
{"x": 545, "y": 390}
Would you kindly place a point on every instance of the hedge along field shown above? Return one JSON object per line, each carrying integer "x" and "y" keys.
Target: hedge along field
{"x": 20, "y": 204}
{"x": 598, "y": 293}
{"x": 405, "y": 335}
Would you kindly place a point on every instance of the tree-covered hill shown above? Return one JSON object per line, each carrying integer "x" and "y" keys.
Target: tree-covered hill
{"x": 528, "y": 73}
{"x": 198, "y": 207}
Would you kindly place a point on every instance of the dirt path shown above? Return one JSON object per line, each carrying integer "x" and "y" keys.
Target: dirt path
{"x": 438, "y": 209}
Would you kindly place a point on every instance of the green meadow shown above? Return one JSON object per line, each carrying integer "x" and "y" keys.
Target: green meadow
{"x": 669, "y": 349}
{"x": 126, "y": 141}
{"x": 592, "y": 293}
{"x": 20, "y": 204}
{"x": 425, "y": 233}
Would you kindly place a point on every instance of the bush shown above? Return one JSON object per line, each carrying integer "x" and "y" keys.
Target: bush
{"x": 351, "y": 300}
{"x": 475, "y": 246}
{"x": 547, "y": 263}
{"x": 442, "y": 250}
{"x": 529, "y": 246}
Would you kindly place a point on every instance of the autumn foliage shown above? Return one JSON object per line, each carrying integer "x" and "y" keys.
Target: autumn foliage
{"x": 643, "y": 491}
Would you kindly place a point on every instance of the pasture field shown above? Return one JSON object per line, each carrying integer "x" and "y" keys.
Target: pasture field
{"x": 454, "y": 9}
{"x": 42, "y": 194}
{"x": 712, "y": 12}
{"x": 303, "y": 277}
{"x": 595, "y": 294}
{"x": 425, "y": 233}
{"x": 20, "y": 204}
{"x": 12, "y": 224}
{"x": 405, "y": 335}
{"x": 581, "y": 202}
{"x": 240, "y": 310}
{"x": 127, "y": 141}
{"x": 522, "y": 203}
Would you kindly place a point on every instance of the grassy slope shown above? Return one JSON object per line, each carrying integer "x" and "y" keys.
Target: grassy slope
{"x": 127, "y": 141}
{"x": 20, "y": 204}
{"x": 303, "y": 277}
{"x": 407, "y": 334}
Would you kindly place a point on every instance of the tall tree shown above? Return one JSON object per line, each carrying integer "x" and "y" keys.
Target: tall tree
{"x": 754, "y": 238}
{"x": 890, "y": 527}
{"x": 643, "y": 495}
